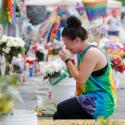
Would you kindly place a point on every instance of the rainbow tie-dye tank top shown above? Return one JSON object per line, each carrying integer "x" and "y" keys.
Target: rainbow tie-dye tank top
{"x": 98, "y": 96}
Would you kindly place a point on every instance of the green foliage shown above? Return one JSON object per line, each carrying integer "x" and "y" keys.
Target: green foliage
{"x": 13, "y": 80}
{"x": 8, "y": 93}
{"x": 7, "y": 81}
{"x": 123, "y": 2}
{"x": 102, "y": 121}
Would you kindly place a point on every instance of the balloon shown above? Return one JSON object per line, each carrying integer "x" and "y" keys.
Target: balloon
{"x": 80, "y": 8}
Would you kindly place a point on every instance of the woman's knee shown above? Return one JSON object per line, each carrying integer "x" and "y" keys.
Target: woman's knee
{"x": 66, "y": 105}
{"x": 56, "y": 116}
{"x": 60, "y": 107}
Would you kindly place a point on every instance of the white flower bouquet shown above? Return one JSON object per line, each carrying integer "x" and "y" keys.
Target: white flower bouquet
{"x": 10, "y": 47}
{"x": 54, "y": 71}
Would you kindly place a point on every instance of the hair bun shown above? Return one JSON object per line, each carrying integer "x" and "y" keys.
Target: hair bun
{"x": 74, "y": 22}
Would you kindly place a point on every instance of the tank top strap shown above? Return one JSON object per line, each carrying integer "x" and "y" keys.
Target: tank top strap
{"x": 81, "y": 57}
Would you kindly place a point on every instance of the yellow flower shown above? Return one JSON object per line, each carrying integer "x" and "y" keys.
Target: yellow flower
{"x": 5, "y": 105}
{"x": 8, "y": 106}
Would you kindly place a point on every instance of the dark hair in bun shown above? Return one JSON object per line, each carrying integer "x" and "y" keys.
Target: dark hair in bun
{"x": 74, "y": 29}
{"x": 72, "y": 21}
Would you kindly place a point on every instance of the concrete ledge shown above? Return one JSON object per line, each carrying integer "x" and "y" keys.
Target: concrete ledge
{"x": 81, "y": 122}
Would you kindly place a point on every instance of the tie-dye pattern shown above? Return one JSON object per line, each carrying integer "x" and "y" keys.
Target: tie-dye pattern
{"x": 99, "y": 93}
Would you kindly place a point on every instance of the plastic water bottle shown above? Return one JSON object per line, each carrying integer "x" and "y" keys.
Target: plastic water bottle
{"x": 31, "y": 71}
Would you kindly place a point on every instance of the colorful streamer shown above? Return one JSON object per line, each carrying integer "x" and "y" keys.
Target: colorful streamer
{"x": 6, "y": 11}
{"x": 48, "y": 24}
{"x": 80, "y": 8}
{"x": 9, "y": 10}
{"x": 55, "y": 29}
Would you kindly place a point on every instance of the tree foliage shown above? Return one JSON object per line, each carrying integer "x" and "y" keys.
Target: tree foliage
{"x": 123, "y": 2}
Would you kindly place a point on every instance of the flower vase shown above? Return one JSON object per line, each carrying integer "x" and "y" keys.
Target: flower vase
{"x": 2, "y": 69}
{"x": 8, "y": 59}
{"x": 2, "y": 65}
{"x": 19, "y": 117}
{"x": 65, "y": 89}
{"x": 7, "y": 70}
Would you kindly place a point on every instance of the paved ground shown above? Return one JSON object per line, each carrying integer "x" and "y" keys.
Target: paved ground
{"x": 34, "y": 88}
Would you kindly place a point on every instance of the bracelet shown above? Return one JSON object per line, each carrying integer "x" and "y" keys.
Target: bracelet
{"x": 67, "y": 60}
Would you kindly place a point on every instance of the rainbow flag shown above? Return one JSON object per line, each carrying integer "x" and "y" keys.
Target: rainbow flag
{"x": 9, "y": 10}
{"x": 6, "y": 11}
{"x": 95, "y": 8}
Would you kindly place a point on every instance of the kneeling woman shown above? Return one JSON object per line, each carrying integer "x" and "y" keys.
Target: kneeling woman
{"x": 96, "y": 91}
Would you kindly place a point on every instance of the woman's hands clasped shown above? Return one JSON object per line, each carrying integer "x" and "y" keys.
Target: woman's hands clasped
{"x": 64, "y": 55}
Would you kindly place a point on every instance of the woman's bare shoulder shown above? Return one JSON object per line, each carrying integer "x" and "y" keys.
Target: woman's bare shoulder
{"x": 94, "y": 54}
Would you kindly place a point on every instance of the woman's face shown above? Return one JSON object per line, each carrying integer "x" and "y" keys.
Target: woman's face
{"x": 72, "y": 46}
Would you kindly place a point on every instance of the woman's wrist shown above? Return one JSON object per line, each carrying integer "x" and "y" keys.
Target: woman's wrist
{"x": 67, "y": 60}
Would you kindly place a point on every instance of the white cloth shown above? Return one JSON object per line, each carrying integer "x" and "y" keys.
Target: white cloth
{"x": 114, "y": 23}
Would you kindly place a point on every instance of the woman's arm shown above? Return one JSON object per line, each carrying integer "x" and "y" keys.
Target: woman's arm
{"x": 85, "y": 68}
